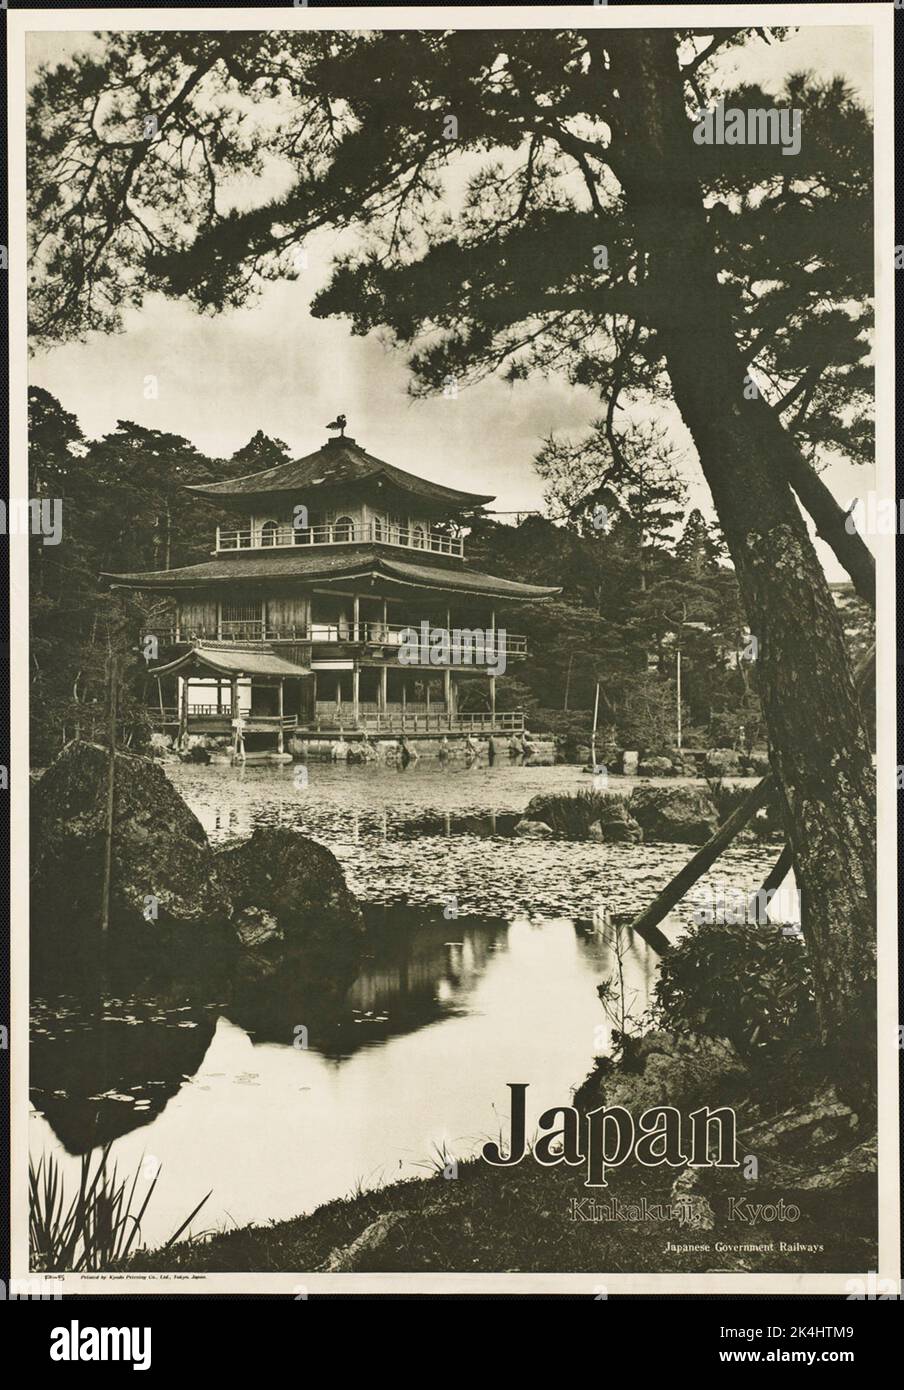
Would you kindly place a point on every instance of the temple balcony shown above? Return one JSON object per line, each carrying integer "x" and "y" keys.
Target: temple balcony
{"x": 345, "y": 532}
{"x": 330, "y": 719}
{"x": 372, "y": 635}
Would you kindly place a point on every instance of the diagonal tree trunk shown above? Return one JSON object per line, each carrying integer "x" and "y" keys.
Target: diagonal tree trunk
{"x": 819, "y": 747}
{"x": 849, "y": 547}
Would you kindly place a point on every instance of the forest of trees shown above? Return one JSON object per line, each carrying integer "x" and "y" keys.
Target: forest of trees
{"x": 125, "y": 508}
{"x": 650, "y": 580}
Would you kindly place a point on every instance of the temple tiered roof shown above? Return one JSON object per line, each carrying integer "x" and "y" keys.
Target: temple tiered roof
{"x": 336, "y": 464}
{"x": 328, "y": 567}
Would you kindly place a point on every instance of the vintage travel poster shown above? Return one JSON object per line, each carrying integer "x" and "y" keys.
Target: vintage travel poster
{"x": 453, "y": 779}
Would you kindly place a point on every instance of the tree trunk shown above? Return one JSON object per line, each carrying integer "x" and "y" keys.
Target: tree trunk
{"x": 819, "y": 747}
{"x": 849, "y": 548}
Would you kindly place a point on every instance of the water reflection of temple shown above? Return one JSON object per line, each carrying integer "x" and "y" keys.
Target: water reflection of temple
{"x": 420, "y": 970}
{"x": 436, "y": 960}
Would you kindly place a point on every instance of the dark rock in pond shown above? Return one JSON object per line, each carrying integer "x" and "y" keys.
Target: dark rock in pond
{"x": 301, "y": 885}
{"x": 621, "y": 832}
{"x": 536, "y": 829}
{"x": 683, "y": 815}
{"x": 617, "y": 826}
{"x": 756, "y": 764}
{"x": 196, "y": 754}
{"x": 163, "y": 868}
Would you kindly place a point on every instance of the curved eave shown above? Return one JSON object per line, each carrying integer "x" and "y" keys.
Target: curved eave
{"x": 294, "y": 568}
{"x": 437, "y": 495}
{"x": 228, "y": 661}
{"x": 341, "y": 464}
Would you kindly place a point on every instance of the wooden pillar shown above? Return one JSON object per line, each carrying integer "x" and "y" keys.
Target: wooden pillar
{"x": 493, "y": 678}
{"x": 280, "y": 746}
{"x": 404, "y": 699}
{"x": 384, "y": 675}
{"x": 427, "y": 695}
{"x": 234, "y": 696}
{"x": 183, "y": 713}
{"x": 356, "y": 623}
{"x": 356, "y": 682}
{"x": 385, "y": 620}
{"x": 447, "y": 692}
{"x": 338, "y": 696}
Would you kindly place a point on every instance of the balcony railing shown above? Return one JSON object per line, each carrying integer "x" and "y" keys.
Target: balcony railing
{"x": 415, "y": 719}
{"x": 396, "y": 721}
{"x": 376, "y": 532}
{"x": 371, "y": 634}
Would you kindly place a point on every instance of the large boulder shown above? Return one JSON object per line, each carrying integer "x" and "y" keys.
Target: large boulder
{"x": 279, "y": 897}
{"x": 163, "y": 871}
{"x": 669, "y": 1069}
{"x": 618, "y": 826}
{"x": 655, "y": 767}
{"x": 682, "y": 814}
{"x": 299, "y": 886}
{"x": 818, "y": 1145}
{"x": 256, "y": 928}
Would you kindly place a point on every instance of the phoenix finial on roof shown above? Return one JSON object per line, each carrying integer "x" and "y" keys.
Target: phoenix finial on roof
{"x": 338, "y": 424}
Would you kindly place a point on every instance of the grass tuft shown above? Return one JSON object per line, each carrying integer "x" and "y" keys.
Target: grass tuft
{"x": 98, "y": 1227}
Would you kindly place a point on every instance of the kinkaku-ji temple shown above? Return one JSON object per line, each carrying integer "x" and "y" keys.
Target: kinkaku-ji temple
{"x": 294, "y": 628}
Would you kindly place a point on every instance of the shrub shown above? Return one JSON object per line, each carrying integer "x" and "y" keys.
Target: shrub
{"x": 749, "y": 984}
{"x": 573, "y": 815}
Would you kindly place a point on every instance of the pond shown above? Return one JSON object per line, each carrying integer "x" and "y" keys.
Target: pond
{"x": 485, "y": 952}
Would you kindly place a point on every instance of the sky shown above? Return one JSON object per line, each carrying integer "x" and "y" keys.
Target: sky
{"x": 271, "y": 366}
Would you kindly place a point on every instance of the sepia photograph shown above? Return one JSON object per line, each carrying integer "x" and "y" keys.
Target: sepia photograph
{"x": 452, "y": 512}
